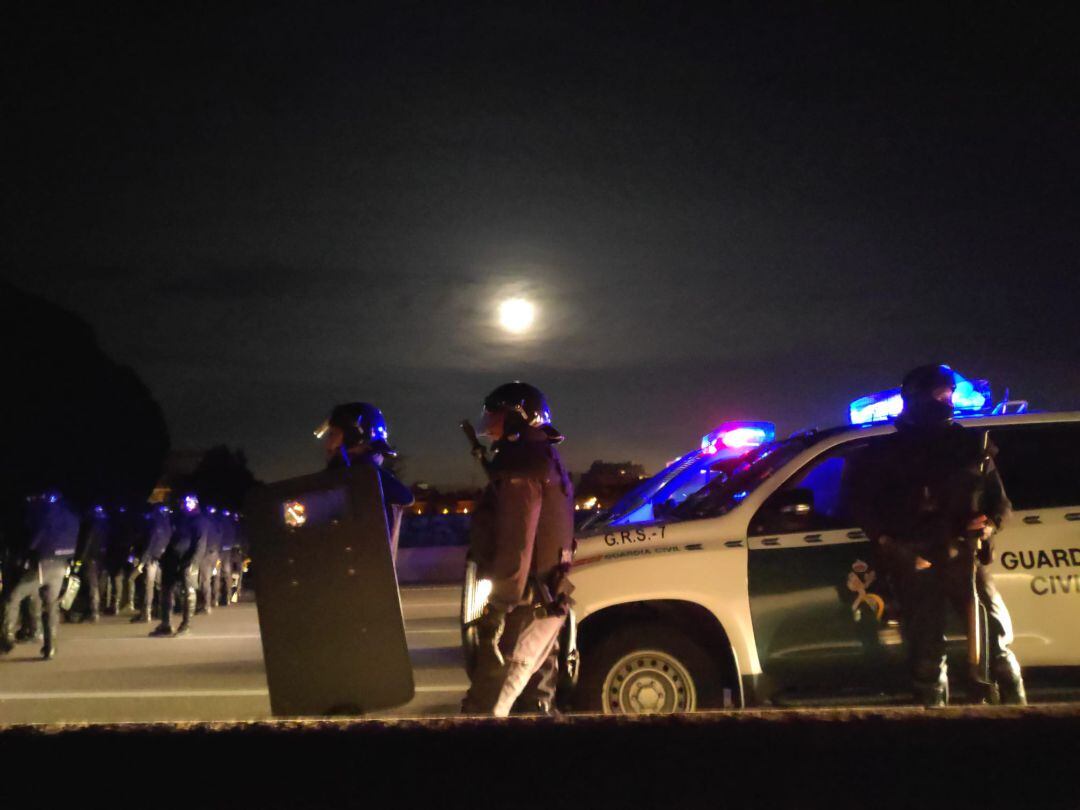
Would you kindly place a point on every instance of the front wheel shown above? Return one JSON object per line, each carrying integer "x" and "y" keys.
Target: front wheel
{"x": 648, "y": 669}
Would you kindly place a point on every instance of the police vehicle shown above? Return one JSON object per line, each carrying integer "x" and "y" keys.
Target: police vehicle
{"x": 758, "y": 589}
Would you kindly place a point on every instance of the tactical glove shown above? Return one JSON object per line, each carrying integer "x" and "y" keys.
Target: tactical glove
{"x": 489, "y": 630}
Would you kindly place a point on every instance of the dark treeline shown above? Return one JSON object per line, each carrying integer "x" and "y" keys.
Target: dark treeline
{"x": 222, "y": 478}
{"x": 70, "y": 417}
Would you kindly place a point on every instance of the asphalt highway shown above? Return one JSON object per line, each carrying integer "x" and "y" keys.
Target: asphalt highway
{"x": 114, "y": 672}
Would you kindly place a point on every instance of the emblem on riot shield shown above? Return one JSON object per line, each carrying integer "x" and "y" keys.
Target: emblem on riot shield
{"x": 859, "y": 581}
{"x": 295, "y": 514}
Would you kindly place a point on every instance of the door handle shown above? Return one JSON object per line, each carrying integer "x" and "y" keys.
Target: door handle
{"x": 1032, "y": 519}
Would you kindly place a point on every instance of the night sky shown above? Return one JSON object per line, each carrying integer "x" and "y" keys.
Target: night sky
{"x": 750, "y": 213}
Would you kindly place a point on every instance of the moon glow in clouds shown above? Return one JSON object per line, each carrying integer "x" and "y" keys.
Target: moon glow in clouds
{"x": 516, "y": 315}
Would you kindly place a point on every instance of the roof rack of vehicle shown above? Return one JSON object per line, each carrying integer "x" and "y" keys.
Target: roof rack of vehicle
{"x": 1016, "y": 406}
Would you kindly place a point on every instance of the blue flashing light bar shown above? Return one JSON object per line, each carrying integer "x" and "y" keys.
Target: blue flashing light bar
{"x": 879, "y": 407}
{"x": 970, "y": 397}
{"x": 738, "y": 436}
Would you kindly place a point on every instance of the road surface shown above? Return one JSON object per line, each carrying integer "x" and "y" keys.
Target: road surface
{"x": 113, "y": 672}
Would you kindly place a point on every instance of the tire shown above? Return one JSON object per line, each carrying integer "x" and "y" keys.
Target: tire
{"x": 648, "y": 668}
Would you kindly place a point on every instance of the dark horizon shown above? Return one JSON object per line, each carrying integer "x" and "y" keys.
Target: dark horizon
{"x": 754, "y": 214}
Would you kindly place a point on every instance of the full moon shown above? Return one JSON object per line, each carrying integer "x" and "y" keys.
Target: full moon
{"x": 516, "y": 315}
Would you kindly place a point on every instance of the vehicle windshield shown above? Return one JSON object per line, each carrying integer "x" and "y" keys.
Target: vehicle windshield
{"x": 725, "y": 493}
{"x": 655, "y": 497}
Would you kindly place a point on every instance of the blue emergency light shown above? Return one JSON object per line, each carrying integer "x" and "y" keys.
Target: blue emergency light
{"x": 738, "y": 436}
{"x": 969, "y": 397}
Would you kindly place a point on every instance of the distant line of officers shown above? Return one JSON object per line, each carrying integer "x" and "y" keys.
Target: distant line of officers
{"x": 67, "y": 564}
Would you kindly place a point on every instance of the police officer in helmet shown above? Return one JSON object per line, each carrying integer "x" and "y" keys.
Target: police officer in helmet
{"x": 180, "y": 565}
{"x": 52, "y": 526}
{"x": 158, "y": 530}
{"x": 521, "y": 539}
{"x": 356, "y": 434}
{"x": 920, "y": 495}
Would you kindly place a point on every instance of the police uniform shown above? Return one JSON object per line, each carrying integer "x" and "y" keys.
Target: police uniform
{"x": 237, "y": 557}
{"x": 396, "y": 496}
{"x": 208, "y": 564}
{"x": 91, "y": 559}
{"x": 53, "y": 530}
{"x": 521, "y": 538}
{"x": 118, "y": 551}
{"x": 180, "y": 568}
{"x": 364, "y": 435}
{"x": 158, "y": 531}
{"x": 223, "y": 581}
{"x": 914, "y": 494}
{"x": 14, "y": 557}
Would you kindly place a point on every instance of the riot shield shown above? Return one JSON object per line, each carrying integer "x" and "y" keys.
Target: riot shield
{"x": 329, "y": 609}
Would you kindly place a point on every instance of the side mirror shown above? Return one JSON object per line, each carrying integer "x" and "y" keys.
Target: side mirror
{"x": 796, "y": 502}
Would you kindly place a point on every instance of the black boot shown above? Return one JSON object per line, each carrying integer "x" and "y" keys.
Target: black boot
{"x": 161, "y": 630}
{"x": 48, "y": 650}
{"x": 1010, "y": 682}
{"x": 533, "y": 707}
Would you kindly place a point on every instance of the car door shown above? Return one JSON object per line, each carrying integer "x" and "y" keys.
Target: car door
{"x": 1037, "y": 568}
{"x": 815, "y": 598}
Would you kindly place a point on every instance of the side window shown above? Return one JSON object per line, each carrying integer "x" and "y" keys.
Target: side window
{"x": 427, "y": 531}
{"x": 1039, "y": 464}
{"x": 813, "y": 499}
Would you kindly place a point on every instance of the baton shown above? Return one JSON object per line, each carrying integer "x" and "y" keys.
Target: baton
{"x": 478, "y": 450}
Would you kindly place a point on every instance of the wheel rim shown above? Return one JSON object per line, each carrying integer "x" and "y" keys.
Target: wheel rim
{"x": 649, "y": 682}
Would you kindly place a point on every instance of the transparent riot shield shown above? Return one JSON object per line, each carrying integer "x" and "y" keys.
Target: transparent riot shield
{"x": 330, "y": 616}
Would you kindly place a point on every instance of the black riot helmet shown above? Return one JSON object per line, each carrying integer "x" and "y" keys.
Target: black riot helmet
{"x": 359, "y": 422}
{"x": 927, "y": 393}
{"x": 522, "y": 404}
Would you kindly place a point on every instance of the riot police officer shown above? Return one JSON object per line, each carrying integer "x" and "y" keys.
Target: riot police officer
{"x": 15, "y": 554}
{"x": 124, "y": 539}
{"x": 53, "y": 528}
{"x": 208, "y": 565}
{"x": 223, "y": 581}
{"x": 238, "y": 558}
{"x": 158, "y": 531}
{"x": 90, "y": 559}
{"x": 521, "y": 539}
{"x": 127, "y": 539}
{"x": 918, "y": 494}
{"x": 180, "y": 565}
{"x": 356, "y": 433}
